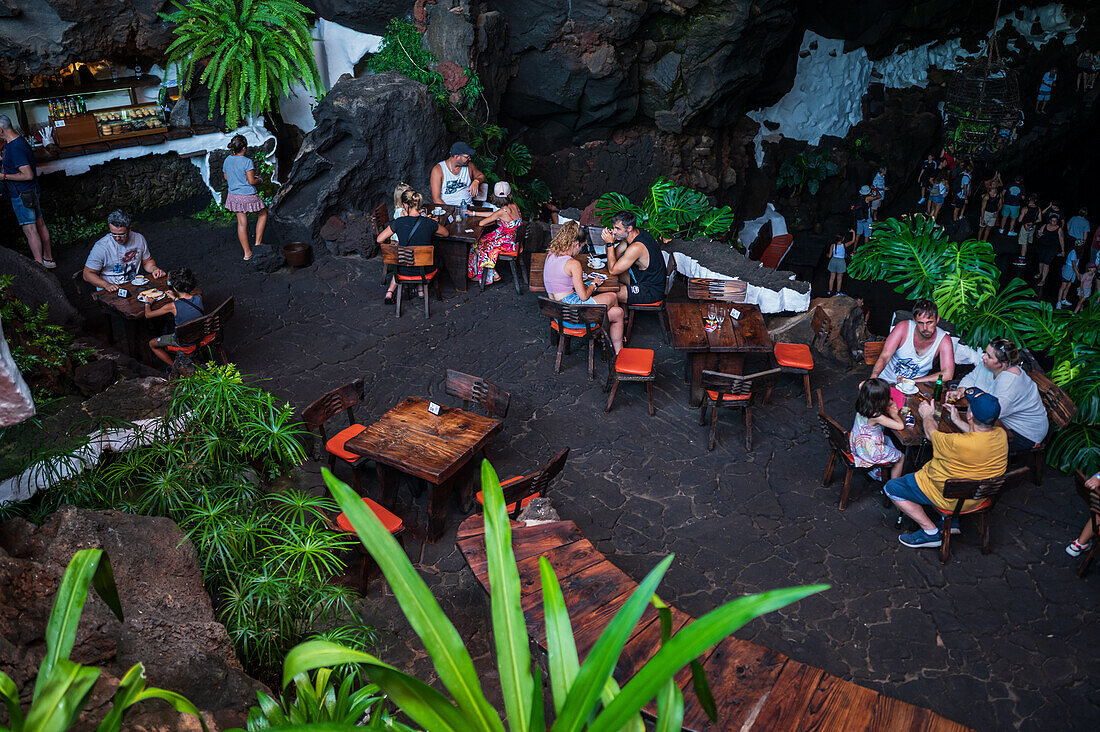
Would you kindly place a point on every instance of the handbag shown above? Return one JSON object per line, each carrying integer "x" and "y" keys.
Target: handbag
{"x": 29, "y": 199}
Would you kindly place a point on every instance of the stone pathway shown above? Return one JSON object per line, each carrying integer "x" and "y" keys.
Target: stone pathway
{"x": 994, "y": 641}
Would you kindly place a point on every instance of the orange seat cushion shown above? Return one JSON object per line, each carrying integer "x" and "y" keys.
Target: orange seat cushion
{"x": 390, "y": 520}
{"x": 206, "y": 341}
{"x": 416, "y": 278}
{"x": 335, "y": 444}
{"x": 634, "y": 361}
{"x": 985, "y": 503}
{"x": 713, "y": 394}
{"x": 794, "y": 356}
{"x": 511, "y": 506}
{"x": 657, "y": 304}
{"x": 570, "y": 331}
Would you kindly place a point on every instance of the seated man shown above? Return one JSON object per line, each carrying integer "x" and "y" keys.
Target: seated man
{"x": 119, "y": 256}
{"x": 912, "y": 346}
{"x": 642, "y": 259}
{"x": 182, "y": 303}
{"x": 979, "y": 451}
{"x": 456, "y": 180}
{"x": 1022, "y": 412}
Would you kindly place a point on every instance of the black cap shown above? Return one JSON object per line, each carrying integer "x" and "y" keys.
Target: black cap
{"x": 461, "y": 148}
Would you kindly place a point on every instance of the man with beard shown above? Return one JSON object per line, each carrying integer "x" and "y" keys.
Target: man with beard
{"x": 456, "y": 180}
{"x": 642, "y": 260}
{"x": 913, "y": 344}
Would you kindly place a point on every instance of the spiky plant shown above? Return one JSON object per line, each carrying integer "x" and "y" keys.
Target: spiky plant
{"x": 253, "y": 50}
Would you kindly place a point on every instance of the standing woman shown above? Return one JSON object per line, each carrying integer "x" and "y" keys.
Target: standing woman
{"x": 413, "y": 229}
{"x": 1071, "y": 271}
{"x": 242, "y": 198}
{"x": 501, "y": 240}
{"x": 838, "y": 256}
{"x": 938, "y": 194}
{"x": 991, "y": 208}
{"x": 1050, "y": 242}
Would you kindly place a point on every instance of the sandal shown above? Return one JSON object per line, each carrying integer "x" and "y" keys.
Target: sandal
{"x": 248, "y": 258}
{"x": 389, "y": 299}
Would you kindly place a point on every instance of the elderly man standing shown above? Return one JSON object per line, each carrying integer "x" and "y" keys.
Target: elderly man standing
{"x": 119, "y": 256}
{"x": 456, "y": 180}
{"x": 978, "y": 451}
{"x": 912, "y": 346}
{"x": 20, "y": 177}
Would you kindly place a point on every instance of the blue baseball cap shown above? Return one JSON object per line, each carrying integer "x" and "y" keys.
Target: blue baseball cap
{"x": 985, "y": 407}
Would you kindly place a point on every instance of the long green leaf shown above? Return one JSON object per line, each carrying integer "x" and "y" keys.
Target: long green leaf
{"x": 62, "y": 697}
{"x": 670, "y": 708}
{"x": 509, "y": 629}
{"x": 10, "y": 693}
{"x": 690, "y": 642}
{"x": 561, "y": 649}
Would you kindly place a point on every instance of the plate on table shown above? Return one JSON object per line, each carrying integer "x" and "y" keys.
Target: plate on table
{"x": 140, "y": 280}
{"x": 907, "y": 392}
{"x": 150, "y": 295}
{"x": 597, "y": 263}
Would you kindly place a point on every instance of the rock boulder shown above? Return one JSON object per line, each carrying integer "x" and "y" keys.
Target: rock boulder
{"x": 371, "y": 133}
{"x": 169, "y": 623}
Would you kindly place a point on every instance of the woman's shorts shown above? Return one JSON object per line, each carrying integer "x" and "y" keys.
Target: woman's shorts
{"x": 837, "y": 265}
{"x": 574, "y": 299}
{"x": 1010, "y": 211}
{"x": 1027, "y": 235}
{"x": 938, "y": 200}
{"x": 989, "y": 218}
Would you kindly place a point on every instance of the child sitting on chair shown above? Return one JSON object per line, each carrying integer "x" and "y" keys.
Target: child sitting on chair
{"x": 182, "y": 304}
{"x": 870, "y": 447}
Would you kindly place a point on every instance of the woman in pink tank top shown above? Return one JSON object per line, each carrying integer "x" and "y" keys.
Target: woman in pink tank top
{"x": 563, "y": 277}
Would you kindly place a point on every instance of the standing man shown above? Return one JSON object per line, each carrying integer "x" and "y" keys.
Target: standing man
{"x": 1078, "y": 227}
{"x": 878, "y": 187}
{"x": 20, "y": 177}
{"x": 642, "y": 259}
{"x": 119, "y": 257}
{"x": 912, "y": 346}
{"x": 962, "y": 191}
{"x": 1010, "y": 207}
{"x": 862, "y": 212}
{"x": 928, "y": 170}
{"x": 978, "y": 451}
{"x": 456, "y": 180}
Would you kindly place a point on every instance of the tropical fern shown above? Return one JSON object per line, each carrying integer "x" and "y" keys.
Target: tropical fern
{"x": 251, "y": 52}
{"x": 1008, "y": 313}
{"x": 670, "y": 211}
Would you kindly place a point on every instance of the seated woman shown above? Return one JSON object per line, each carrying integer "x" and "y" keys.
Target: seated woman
{"x": 870, "y": 447}
{"x": 563, "y": 277}
{"x": 413, "y": 229}
{"x": 501, "y": 240}
{"x": 181, "y": 304}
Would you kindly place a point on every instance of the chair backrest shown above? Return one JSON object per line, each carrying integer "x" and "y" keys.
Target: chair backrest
{"x": 722, "y": 290}
{"x": 533, "y": 483}
{"x": 871, "y": 351}
{"x": 1060, "y": 407}
{"x": 211, "y": 324}
{"x": 488, "y": 396}
{"x": 1089, "y": 496}
{"x": 976, "y": 490}
{"x": 342, "y": 399}
{"x": 380, "y": 217}
{"x": 590, "y": 316}
{"x": 776, "y": 251}
{"x": 836, "y": 435}
{"x": 734, "y": 384}
{"x": 408, "y": 256}
{"x": 821, "y": 323}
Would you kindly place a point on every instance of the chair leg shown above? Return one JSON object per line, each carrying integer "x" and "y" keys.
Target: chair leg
{"x": 703, "y": 412}
{"x": 649, "y": 392}
{"x": 515, "y": 275}
{"x": 828, "y": 476}
{"x": 809, "y": 397}
{"x": 945, "y": 538}
{"x": 481, "y": 280}
{"x": 713, "y": 429}
{"x": 748, "y": 429}
{"x": 400, "y": 292}
{"x": 562, "y": 339}
{"x": 847, "y": 489}
{"x": 629, "y": 325}
{"x": 356, "y": 482}
{"x": 385, "y": 268}
{"x": 1084, "y": 568}
{"x": 610, "y": 399}
{"x": 663, "y": 315}
{"x": 438, "y": 289}
{"x": 591, "y": 358}
{"x": 1038, "y": 463}
{"x": 983, "y": 522}
{"x": 427, "y": 297}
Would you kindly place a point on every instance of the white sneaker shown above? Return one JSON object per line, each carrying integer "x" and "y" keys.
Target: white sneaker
{"x": 1000, "y": 231}
{"x": 1012, "y": 233}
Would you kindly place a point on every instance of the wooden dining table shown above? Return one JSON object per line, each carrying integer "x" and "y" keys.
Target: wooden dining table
{"x": 723, "y": 349}
{"x": 436, "y": 448}
{"x": 454, "y": 249}
{"x": 538, "y": 264}
{"x": 132, "y": 312}
{"x": 913, "y": 434}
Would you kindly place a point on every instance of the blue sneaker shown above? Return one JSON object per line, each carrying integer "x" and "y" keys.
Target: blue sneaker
{"x": 920, "y": 539}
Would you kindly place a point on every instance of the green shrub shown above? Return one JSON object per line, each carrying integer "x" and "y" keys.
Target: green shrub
{"x": 807, "y": 169}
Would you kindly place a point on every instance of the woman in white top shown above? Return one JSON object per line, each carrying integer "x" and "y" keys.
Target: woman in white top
{"x": 1022, "y": 410}
{"x": 456, "y": 179}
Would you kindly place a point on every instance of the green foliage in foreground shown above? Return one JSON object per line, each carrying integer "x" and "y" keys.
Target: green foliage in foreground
{"x": 585, "y": 696}
{"x": 63, "y": 687}
{"x": 916, "y": 256}
{"x": 323, "y": 699}
{"x": 670, "y": 211}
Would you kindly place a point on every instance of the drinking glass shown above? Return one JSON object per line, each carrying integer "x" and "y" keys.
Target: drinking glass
{"x": 721, "y": 317}
{"x": 712, "y": 314}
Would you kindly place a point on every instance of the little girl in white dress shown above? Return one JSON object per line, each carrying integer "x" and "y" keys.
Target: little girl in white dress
{"x": 876, "y": 409}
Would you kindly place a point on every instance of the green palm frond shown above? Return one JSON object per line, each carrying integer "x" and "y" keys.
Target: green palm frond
{"x": 1008, "y": 313}
{"x": 1075, "y": 447}
{"x": 911, "y": 253}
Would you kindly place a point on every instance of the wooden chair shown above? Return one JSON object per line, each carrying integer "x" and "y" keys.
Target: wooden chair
{"x": 574, "y": 321}
{"x": 1092, "y": 500}
{"x": 721, "y": 290}
{"x": 521, "y": 240}
{"x": 343, "y": 399}
{"x": 653, "y": 307}
{"x": 798, "y": 358}
{"x": 629, "y": 364}
{"x": 380, "y": 217}
{"x": 871, "y": 351}
{"x": 1060, "y": 410}
{"x": 206, "y": 332}
{"x": 421, "y": 257}
{"x": 487, "y": 395}
{"x": 840, "y": 451}
{"x": 522, "y": 489}
{"x": 390, "y": 520}
{"x": 730, "y": 391}
{"x": 987, "y": 491}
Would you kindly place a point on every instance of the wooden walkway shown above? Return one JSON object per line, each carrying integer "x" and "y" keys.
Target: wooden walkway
{"x": 755, "y": 688}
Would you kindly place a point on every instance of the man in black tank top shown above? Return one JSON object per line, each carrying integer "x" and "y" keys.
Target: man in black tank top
{"x": 642, "y": 261}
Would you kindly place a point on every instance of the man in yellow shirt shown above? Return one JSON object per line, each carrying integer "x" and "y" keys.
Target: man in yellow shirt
{"x": 979, "y": 450}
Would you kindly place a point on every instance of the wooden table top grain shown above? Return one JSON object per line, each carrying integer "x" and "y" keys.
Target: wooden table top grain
{"x": 748, "y": 334}
{"x": 130, "y": 307}
{"x": 419, "y": 443}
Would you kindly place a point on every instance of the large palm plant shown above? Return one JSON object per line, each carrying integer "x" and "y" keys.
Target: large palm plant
{"x": 670, "y": 211}
{"x": 253, "y": 52}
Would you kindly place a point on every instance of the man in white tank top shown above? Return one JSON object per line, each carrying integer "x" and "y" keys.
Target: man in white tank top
{"x": 456, "y": 180}
{"x": 913, "y": 345}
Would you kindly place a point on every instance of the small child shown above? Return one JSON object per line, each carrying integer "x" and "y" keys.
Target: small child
{"x": 875, "y": 409}
{"x": 838, "y": 255}
{"x": 1070, "y": 273}
{"x": 1084, "y": 541}
{"x": 1085, "y": 290}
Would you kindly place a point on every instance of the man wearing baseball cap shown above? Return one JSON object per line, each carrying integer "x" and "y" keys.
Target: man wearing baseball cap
{"x": 862, "y": 211}
{"x": 979, "y": 450}
{"x": 456, "y": 180}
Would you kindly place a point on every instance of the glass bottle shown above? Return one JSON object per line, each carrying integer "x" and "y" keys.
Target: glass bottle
{"x": 938, "y": 389}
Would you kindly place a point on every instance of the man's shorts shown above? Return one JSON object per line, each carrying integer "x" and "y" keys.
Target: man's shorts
{"x": 989, "y": 218}
{"x": 863, "y": 228}
{"x": 1010, "y": 211}
{"x": 635, "y": 295}
{"x": 26, "y": 215}
{"x": 905, "y": 488}
{"x": 167, "y": 340}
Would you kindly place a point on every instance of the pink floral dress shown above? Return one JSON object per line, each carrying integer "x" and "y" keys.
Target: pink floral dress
{"x": 869, "y": 445}
{"x": 501, "y": 240}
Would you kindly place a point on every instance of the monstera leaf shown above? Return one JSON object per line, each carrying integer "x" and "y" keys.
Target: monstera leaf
{"x": 516, "y": 160}
{"x": 959, "y": 291}
{"x": 1005, "y": 314}
{"x": 1084, "y": 387}
{"x": 1046, "y": 329}
{"x": 912, "y": 253}
{"x": 683, "y": 206}
{"x": 612, "y": 203}
{"x": 1075, "y": 447}
{"x": 715, "y": 222}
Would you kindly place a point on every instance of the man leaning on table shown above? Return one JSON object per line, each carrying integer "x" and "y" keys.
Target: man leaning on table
{"x": 456, "y": 180}
{"x": 912, "y": 346}
{"x": 119, "y": 256}
{"x": 979, "y": 450}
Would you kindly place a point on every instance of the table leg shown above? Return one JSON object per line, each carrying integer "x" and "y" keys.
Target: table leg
{"x": 438, "y": 503}
{"x": 454, "y": 254}
{"x": 387, "y": 485}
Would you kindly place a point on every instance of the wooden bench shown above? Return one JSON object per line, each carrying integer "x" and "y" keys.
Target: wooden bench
{"x": 755, "y": 688}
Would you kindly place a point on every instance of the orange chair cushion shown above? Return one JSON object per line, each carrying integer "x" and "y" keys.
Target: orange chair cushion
{"x": 569, "y": 331}
{"x": 794, "y": 356}
{"x": 511, "y": 506}
{"x": 985, "y": 503}
{"x": 634, "y": 361}
{"x": 335, "y": 444}
{"x": 656, "y": 304}
{"x": 713, "y": 394}
{"x": 206, "y": 341}
{"x": 417, "y": 278}
{"x": 391, "y": 521}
